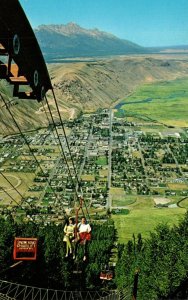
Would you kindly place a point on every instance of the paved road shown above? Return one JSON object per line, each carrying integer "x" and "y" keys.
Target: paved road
{"x": 109, "y": 200}
{"x": 143, "y": 161}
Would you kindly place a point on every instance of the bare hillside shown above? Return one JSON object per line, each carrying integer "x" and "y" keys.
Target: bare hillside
{"x": 89, "y": 85}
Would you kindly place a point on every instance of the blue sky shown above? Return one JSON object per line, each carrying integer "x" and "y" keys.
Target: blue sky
{"x": 145, "y": 22}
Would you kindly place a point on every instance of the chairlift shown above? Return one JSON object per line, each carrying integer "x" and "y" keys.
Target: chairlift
{"x": 106, "y": 275}
{"x": 80, "y": 238}
{"x": 86, "y": 236}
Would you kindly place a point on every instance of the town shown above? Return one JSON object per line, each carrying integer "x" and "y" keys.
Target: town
{"x": 109, "y": 160}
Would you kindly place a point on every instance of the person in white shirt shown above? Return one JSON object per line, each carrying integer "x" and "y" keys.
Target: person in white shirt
{"x": 84, "y": 235}
{"x": 83, "y": 227}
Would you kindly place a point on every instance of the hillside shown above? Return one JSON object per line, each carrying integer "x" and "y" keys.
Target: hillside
{"x": 71, "y": 40}
{"x": 26, "y": 118}
{"x": 90, "y": 85}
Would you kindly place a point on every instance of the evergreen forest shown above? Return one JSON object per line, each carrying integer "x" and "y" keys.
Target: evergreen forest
{"x": 161, "y": 261}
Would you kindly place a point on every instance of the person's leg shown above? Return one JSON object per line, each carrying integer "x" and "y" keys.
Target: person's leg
{"x": 68, "y": 246}
{"x": 85, "y": 250}
{"x": 67, "y": 249}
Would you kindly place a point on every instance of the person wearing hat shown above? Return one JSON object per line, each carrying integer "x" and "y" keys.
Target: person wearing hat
{"x": 69, "y": 231}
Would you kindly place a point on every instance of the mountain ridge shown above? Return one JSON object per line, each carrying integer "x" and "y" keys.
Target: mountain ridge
{"x": 71, "y": 40}
{"x": 72, "y": 28}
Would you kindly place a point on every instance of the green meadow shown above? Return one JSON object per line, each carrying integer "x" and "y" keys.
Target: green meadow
{"x": 143, "y": 216}
{"x": 145, "y": 221}
{"x": 166, "y": 102}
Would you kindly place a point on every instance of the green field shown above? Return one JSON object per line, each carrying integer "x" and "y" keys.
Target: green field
{"x": 144, "y": 221}
{"x": 119, "y": 197}
{"x": 143, "y": 216}
{"x": 168, "y": 102}
{"x": 101, "y": 160}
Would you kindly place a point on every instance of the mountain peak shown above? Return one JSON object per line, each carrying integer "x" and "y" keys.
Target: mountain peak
{"x": 69, "y": 28}
{"x": 72, "y": 28}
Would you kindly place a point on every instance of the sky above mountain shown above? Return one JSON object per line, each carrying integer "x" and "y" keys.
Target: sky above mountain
{"x": 145, "y": 22}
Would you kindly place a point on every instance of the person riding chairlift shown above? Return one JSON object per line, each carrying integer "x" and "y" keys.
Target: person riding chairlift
{"x": 83, "y": 236}
{"x": 69, "y": 231}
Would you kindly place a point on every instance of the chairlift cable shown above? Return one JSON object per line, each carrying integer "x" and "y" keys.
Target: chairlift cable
{"x": 54, "y": 126}
{"x": 23, "y": 136}
{"x": 11, "y": 184}
{"x": 63, "y": 152}
{"x": 13, "y": 135}
{"x": 87, "y": 211}
{"x": 1, "y": 188}
{"x": 68, "y": 146}
{"x": 8, "y": 129}
{"x": 66, "y": 161}
{"x": 49, "y": 121}
{"x": 60, "y": 144}
{"x": 43, "y": 106}
{"x": 18, "y": 204}
{"x": 22, "y": 197}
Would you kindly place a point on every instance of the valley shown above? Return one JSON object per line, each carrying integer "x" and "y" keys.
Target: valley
{"x": 131, "y": 164}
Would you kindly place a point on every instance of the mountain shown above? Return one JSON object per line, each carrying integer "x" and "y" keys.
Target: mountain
{"x": 71, "y": 40}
